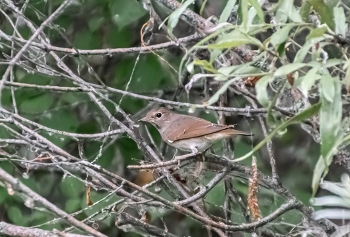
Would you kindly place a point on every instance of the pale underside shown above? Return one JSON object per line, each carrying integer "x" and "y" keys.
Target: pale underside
{"x": 198, "y": 143}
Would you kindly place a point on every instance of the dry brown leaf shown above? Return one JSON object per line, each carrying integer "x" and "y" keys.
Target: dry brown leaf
{"x": 251, "y": 81}
{"x": 290, "y": 78}
{"x": 88, "y": 199}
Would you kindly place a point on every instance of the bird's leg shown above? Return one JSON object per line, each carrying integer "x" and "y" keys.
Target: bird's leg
{"x": 193, "y": 153}
{"x": 174, "y": 157}
{"x": 199, "y": 166}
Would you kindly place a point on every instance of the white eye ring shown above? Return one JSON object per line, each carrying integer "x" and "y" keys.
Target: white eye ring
{"x": 158, "y": 115}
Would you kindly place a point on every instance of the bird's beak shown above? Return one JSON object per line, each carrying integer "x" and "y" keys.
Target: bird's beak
{"x": 143, "y": 120}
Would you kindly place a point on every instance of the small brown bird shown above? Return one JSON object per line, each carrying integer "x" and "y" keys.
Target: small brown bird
{"x": 188, "y": 133}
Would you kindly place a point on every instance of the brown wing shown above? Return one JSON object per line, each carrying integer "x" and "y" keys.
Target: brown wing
{"x": 194, "y": 128}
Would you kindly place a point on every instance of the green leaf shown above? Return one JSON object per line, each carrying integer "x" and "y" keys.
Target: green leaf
{"x": 295, "y": 16}
{"x": 125, "y": 12}
{"x": 61, "y": 120}
{"x": 3, "y": 195}
{"x": 281, "y": 35}
{"x": 330, "y": 125}
{"x": 221, "y": 91}
{"x": 215, "y": 54}
{"x": 214, "y": 195}
{"x": 227, "y": 11}
{"x": 261, "y": 90}
{"x": 85, "y": 40}
{"x": 315, "y": 33}
{"x": 332, "y": 3}
{"x": 284, "y": 10}
{"x": 175, "y": 15}
{"x": 286, "y": 69}
{"x": 203, "y": 7}
{"x": 38, "y": 104}
{"x": 318, "y": 171}
{"x": 73, "y": 204}
{"x": 305, "y": 11}
{"x": 287, "y": 10}
{"x": 305, "y": 49}
{"x": 306, "y": 114}
{"x": 72, "y": 187}
{"x": 225, "y": 72}
{"x": 96, "y": 196}
{"x": 245, "y": 69}
{"x": 309, "y": 80}
{"x": 258, "y": 9}
{"x": 325, "y": 12}
{"x": 204, "y": 63}
{"x": 243, "y": 9}
{"x": 16, "y": 217}
{"x": 95, "y": 23}
{"x": 340, "y": 21}
{"x": 236, "y": 70}
{"x": 333, "y": 62}
{"x": 233, "y": 39}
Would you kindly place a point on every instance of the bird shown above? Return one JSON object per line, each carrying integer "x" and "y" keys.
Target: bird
{"x": 188, "y": 133}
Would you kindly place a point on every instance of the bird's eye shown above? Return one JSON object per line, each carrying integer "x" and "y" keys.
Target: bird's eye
{"x": 158, "y": 115}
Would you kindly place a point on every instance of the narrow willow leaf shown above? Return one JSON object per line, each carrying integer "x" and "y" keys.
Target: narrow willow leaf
{"x": 235, "y": 70}
{"x": 333, "y": 62}
{"x": 258, "y": 9}
{"x": 305, "y": 49}
{"x": 221, "y": 91}
{"x": 309, "y": 80}
{"x": 284, "y": 10}
{"x": 195, "y": 78}
{"x": 336, "y": 189}
{"x": 330, "y": 201}
{"x": 330, "y": 125}
{"x": 251, "y": 17}
{"x": 325, "y": 12}
{"x": 340, "y": 21}
{"x": 203, "y": 7}
{"x": 305, "y": 11}
{"x": 315, "y": 33}
{"x": 281, "y": 35}
{"x": 286, "y": 69}
{"x": 295, "y": 16}
{"x": 261, "y": 90}
{"x": 204, "y": 63}
{"x": 328, "y": 89}
{"x": 175, "y": 15}
{"x": 244, "y": 14}
{"x": 233, "y": 39}
{"x": 331, "y": 112}
{"x": 336, "y": 213}
{"x": 341, "y": 231}
{"x": 281, "y": 49}
{"x": 246, "y": 69}
{"x": 306, "y": 114}
{"x": 332, "y": 3}
{"x": 215, "y": 54}
{"x": 227, "y": 11}
{"x": 227, "y": 70}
